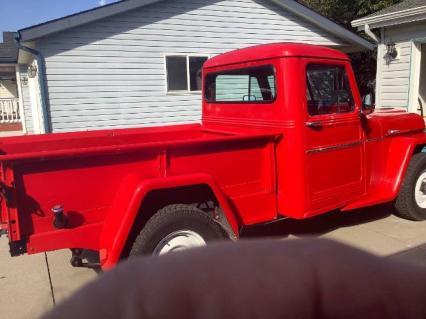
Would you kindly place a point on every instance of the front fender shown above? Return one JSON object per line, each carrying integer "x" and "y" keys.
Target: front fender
{"x": 132, "y": 191}
{"x": 390, "y": 172}
{"x": 400, "y": 152}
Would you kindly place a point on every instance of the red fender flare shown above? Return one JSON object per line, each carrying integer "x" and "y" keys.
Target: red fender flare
{"x": 132, "y": 191}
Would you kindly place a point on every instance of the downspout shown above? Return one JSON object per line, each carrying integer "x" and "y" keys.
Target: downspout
{"x": 374, "y": 37}
{"x": 370, "y": 33}
{"x": 40, "y": 74}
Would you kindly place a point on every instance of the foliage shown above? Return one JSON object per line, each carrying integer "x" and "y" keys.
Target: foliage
{"x": 344, "y": 12}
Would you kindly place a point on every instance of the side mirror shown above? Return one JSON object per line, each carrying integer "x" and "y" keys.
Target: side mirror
{"x": 368, "y": 105}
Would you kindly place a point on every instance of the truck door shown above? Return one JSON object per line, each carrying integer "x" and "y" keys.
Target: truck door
{"x": 334, "y": 149}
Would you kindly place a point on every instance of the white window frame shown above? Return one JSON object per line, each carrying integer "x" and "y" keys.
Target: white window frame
{"x": 187, "y": 55}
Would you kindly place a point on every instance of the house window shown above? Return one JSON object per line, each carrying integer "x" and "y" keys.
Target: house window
{"x": 184, "y": 73}
{"x": 328, "y": 90}
{"x": 250, "y": 85}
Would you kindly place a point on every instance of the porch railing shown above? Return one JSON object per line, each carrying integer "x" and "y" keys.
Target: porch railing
{"x": 9, "y": 111}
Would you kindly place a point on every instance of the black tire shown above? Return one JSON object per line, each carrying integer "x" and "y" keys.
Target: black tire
{"x": 174, "y": 218}
{"x": 406, "y": 205}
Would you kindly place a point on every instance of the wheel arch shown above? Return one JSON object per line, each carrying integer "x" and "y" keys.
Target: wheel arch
{"x": 139, "y": 199}
{"x": 420, "y": 148}
{"x": 407, "y": 204}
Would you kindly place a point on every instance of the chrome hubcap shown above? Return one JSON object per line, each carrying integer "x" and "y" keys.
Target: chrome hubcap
{"x": 179, "y": 240}
{"x": 420, "y": 190}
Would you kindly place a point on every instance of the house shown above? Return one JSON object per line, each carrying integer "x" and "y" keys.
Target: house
{"x": 10, "y": 111}
{"x": 138, "y": 62}
{"x": 400, "y": 32}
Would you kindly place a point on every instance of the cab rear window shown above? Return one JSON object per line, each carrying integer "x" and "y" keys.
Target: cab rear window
{"x": 249, "y": 85}
{"x": 328, "y": 90}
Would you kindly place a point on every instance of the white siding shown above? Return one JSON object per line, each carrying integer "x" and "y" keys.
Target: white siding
{"x": 26, "y": 100}
{"x": 395, "y": 80}
{"x": 395, "y": 77}
{"x": 422, "y": 85}
{"x": 111, "y": 73}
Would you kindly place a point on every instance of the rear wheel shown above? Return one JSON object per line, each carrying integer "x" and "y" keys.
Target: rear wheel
{"x": 174, "y": 228}
{"x": 411, "y": 201}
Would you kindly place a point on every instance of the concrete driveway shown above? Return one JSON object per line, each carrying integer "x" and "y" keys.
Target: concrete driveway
{"x": 29, "y": 285}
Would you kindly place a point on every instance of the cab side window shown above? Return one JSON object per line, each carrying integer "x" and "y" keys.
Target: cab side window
{"x": 328, "y": 90}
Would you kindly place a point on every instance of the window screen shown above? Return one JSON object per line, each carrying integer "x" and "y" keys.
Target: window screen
{"x": 328, "y": 90}
{"x": 252, "y": 85}
{"x": 177, "y": 76}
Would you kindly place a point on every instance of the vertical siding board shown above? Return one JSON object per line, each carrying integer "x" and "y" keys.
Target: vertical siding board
{"x": 118, "y": 62}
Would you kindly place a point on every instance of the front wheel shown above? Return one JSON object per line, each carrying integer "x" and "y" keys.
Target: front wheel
{"x": 411, "y": 201}
{"x": 174, "y": 228}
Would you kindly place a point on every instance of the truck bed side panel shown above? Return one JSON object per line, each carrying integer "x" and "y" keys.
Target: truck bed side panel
{"x": 87, "y": 185}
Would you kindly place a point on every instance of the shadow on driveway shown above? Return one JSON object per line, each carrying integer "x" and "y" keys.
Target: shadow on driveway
{"x": 319, "y": 225}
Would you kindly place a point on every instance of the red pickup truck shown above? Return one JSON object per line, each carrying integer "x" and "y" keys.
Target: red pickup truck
{"x": 284, "y": 134}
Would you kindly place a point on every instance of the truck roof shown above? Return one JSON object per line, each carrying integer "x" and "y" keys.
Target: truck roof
{"x": 275, "y": 50}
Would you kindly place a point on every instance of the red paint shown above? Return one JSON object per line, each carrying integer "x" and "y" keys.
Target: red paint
{"x": 261, "y": 161}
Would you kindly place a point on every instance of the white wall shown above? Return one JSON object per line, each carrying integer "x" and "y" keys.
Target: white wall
{"x": 422, "y": 86}
{"x": 8, "y": 89}
{"x": 111, "y": 73}
{"x": 25, "y": 98}
{"x": 396, "y": 80}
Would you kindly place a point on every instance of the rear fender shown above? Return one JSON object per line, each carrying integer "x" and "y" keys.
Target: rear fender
{"x": 132, "y": 191}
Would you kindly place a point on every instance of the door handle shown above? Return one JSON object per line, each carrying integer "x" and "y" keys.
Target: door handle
{"x": 314, "y": 125}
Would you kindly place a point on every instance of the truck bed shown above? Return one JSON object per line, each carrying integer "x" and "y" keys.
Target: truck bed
{"x": 80, "y": 143}
{"x": 84, "y": 172}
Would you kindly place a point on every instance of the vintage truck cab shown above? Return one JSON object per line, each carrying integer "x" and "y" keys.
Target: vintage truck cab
{"x": 284, "y": 134}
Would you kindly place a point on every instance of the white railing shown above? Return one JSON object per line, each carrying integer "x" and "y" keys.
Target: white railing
{"x": 9, "y": 111}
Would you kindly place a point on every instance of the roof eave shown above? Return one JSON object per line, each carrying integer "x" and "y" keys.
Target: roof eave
{"x": 50, "y": 27}
{"x": 75, "y": 20}
{"x": 325, "y": 23}
{"x": 393, "y": 18}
